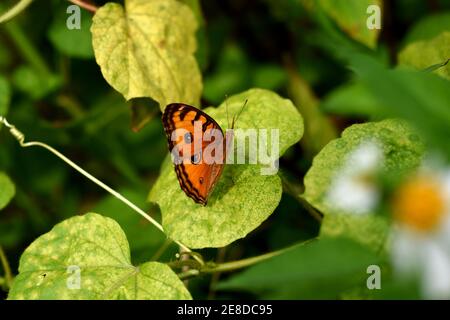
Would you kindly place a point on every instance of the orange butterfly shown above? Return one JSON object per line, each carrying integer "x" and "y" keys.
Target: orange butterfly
{"x": 198, "y": 159}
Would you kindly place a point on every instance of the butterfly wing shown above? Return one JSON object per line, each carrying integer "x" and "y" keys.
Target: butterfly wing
{"x": 197, "y": 177}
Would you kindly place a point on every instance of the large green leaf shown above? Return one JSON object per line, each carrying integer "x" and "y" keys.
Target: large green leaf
{"x": 322, "y": 269}
{"x": 7, "y": 190}
{"x": 351, "y": 16}
{"x": 147, "y": 50}
{"x": 243, "y": 197}
{"x": 422, "y": 54}
{"x": 402, "y": 150}
{"x": 98, "y": 248}
{"x": 143, "y": 237}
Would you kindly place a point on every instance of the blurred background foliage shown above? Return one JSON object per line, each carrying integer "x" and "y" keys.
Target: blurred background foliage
{"x": 52, "y": 89}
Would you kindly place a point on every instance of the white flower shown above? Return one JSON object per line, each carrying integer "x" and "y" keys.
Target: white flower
{"x": 353, "y": 189}
{"x": 420, "y": 243}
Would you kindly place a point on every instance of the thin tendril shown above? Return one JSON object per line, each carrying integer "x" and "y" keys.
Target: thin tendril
{"x": 21, "y": 138}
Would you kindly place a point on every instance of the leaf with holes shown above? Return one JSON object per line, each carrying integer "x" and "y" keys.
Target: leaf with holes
{"x": 243, "y": 197}
{"x": 147, "y": 50}
{"x": 88, "y": 257}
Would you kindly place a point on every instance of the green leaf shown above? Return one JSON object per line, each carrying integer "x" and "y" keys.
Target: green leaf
{"x": 402, "y": 151}
{"x": 351, "y": 16}
{"x": 320, "y": 270}
{"x": 147, "y": 50}
{"x": 422, "y": 54}
{"x": 243, "y": 198}
{"x": 72, "y": 42}
{"x": 144, "y": 238}
{"x": 5, "y": 96}
{"x": 7, "y": 190}
{"x": 370, "y": 230}
{"x": 99, "y": 248}
{"x": 429, "y": 27}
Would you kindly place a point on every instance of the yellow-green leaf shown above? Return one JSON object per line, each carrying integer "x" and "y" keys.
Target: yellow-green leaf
{"x": 243, "y": 197}
{"x": 147, "y": 50}
{"x": 425, "y": 53}
{"x": 88, "y": 257}
{"x": 402, "y": 150}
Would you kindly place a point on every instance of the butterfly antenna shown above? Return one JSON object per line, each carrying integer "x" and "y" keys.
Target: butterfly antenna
{"x": 226, "y": 106}
{"x": 235, "y": 118}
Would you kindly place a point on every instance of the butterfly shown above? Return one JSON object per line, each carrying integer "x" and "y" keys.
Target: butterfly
{"x": 198, "y": 159}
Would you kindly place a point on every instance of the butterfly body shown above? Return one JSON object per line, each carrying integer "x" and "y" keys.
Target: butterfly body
{"x": 188, "y": 129}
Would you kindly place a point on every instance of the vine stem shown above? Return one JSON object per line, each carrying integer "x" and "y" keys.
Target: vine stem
{"x": 14, "y": 11}
{"x": 21, "y": 139}
{"x": 84, "y": 5}
{"x": 239, "y": 264}
{"x": 8, "y": 275}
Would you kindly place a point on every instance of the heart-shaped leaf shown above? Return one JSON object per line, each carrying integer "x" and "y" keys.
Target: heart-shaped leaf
{"x": 243, "y": 197}
{"x": 147, "y": 50}
{"x": 88, "y": 257}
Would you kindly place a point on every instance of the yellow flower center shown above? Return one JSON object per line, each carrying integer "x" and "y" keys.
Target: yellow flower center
{"x": 419, "y": 204}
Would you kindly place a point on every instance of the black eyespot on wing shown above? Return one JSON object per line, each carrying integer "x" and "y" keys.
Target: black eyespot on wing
{"x": 196, "y": 158}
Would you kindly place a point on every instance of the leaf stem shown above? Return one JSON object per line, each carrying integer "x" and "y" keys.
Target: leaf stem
{"x": 84, "y": 5}
{"x": 239, "y": 264}
{"x": 14, "y": 11}
{"x": 8, "y": 275}
{"x": 20, "y": 137}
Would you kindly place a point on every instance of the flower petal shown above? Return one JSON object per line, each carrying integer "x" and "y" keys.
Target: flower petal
{"x": 436, "y": 274}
